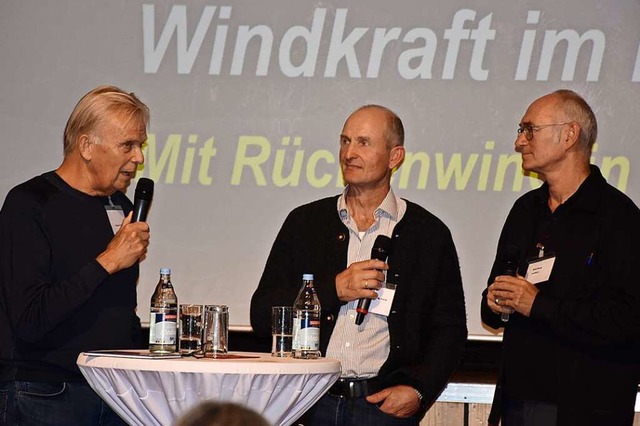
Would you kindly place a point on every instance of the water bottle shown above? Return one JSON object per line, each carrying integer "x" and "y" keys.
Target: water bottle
{"x": 164, "y": 316}
{"x": 306, "y": 321}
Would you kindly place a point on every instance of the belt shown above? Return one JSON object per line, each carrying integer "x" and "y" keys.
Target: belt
{"x": 355, "y": 388}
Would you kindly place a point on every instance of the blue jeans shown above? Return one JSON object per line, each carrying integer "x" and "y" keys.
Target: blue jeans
{"x": 333, "y": 410}
{"x": 53, "y": 404}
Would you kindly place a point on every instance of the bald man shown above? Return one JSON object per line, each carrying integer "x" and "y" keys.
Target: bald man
{"x": 571, "y": 343}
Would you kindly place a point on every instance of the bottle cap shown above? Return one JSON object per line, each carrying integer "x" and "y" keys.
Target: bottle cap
{"x": 307, "y": 277}
{"x": 165, "y": 271}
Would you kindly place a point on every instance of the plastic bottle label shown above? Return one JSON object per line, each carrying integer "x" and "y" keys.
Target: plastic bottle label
{"x": 306, "y": 332}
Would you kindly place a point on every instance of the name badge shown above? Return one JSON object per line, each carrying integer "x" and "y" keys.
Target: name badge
{"x": 539, "y": 269}
{"x": 382, "y": 305}
{"x": 116, "y": 216}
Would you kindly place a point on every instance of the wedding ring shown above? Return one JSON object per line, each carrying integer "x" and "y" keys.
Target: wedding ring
{"x": 366, "y": 284}
{"x": 497, "y": 300}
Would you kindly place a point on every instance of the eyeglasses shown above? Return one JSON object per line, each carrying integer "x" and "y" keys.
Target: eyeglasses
{"x": 529, "y": 130}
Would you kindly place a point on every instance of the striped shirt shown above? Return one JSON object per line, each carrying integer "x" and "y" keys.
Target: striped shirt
{"x": 363, "y": 349}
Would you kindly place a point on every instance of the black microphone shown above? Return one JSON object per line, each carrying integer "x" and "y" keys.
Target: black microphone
{"x": 510, "y": 268}
{"x": 381, "y": 249}
{"x": 142, "y": 200}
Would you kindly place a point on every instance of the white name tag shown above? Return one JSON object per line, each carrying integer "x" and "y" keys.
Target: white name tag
{"x": 539, "y": 270}
{"x": 116, "y": 216}
{"x": 382, "y": 305}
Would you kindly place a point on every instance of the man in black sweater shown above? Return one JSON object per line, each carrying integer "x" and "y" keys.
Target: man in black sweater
{"x": 396, "y": 363}
{"x": 571, "y": 346}
{"x": 69, "y": 265}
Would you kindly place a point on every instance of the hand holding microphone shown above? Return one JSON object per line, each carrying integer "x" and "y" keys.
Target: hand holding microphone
{"x": 129, "y": 245}
{"x": 380, "y": 251}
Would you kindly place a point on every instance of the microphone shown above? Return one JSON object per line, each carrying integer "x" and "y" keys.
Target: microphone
{"x": 142, "y": 200}
{"x": 510, "y": 268}
{"x": 381, "y": 249}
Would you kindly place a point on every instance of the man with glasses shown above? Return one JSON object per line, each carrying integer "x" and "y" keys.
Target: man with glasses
{"x": 571, "y": 315}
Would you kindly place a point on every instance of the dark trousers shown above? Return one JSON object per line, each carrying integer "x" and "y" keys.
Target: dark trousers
{"x": 528, "y": 413}
{"x": 53, "y": 404}
{"x": 333, "y": 410}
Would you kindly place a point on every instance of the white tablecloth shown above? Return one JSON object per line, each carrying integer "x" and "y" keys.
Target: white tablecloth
{"x": 150, "y": 392}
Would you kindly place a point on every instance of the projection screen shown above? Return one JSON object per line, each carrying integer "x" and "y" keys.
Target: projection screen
{"x": 248, "y": 98}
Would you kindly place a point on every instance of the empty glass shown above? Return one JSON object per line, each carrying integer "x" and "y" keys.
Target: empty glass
{"x": 215, "y": 335}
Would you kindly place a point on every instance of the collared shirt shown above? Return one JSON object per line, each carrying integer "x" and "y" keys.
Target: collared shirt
{"x": 363, "y": 349}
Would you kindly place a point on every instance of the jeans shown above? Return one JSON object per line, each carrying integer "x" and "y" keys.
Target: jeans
{"x": 53, "y": 404}
{"x": 333, "y": 410}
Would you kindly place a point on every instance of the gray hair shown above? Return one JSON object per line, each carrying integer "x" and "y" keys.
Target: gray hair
{"x": 577, "y": 109}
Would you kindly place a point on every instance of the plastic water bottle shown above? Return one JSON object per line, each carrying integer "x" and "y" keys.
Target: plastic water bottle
{"x": 306, "y": 321}
{"x": 164, "y": 316}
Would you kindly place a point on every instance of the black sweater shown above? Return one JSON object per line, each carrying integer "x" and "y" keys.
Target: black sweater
{"x": 427, "y": 323}
{"x": 56, "y": 300}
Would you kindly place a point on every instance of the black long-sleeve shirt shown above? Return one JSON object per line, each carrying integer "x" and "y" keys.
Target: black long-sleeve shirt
{"x": 56, "y": 299}
{"x": 580, "y": 347}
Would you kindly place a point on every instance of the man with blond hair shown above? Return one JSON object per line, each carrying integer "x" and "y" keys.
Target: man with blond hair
{"x": 69, "y": 265}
